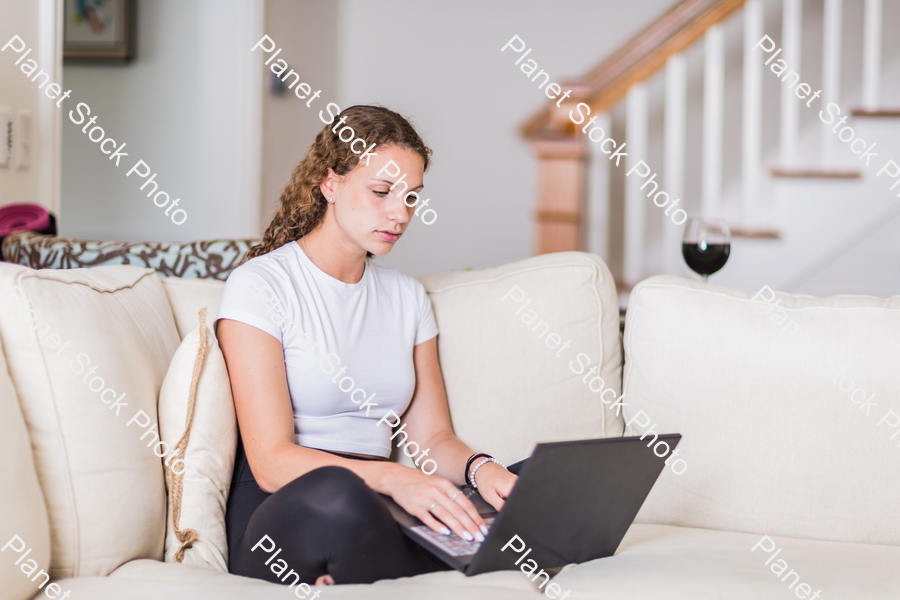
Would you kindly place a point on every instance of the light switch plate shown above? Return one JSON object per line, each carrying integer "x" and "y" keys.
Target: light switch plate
{"x": 6, "y": 123}
{"x": 23, "y": 139}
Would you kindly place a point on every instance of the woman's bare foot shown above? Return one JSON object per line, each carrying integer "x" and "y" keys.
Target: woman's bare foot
{"x": 325, "y": 580}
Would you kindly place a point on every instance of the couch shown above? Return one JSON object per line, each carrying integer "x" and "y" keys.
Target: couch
{"x": 787, "y": 487}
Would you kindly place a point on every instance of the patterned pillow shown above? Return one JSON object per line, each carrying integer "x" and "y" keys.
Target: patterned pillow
{"x": 197, "y": 260}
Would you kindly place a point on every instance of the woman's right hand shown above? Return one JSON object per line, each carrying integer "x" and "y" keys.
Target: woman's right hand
{"x": 416, "y": 492}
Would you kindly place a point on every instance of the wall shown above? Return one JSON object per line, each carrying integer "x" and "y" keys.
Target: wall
{"x": 36, "y": 23}
{"x": 187, "y": 107}
{"x": 440, "y": 64}
{"x": 307, "y": 31}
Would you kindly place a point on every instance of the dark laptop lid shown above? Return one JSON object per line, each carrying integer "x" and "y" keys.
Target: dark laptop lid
{"x": 574, "y": 501}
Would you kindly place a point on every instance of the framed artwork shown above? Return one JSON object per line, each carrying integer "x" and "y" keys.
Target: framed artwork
{"x": 99, "y": 30}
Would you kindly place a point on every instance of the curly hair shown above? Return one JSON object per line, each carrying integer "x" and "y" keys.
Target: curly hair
{"x": 302, "y": 205}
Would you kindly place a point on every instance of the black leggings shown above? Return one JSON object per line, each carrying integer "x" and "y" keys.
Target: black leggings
{"x": 326, "y": 521}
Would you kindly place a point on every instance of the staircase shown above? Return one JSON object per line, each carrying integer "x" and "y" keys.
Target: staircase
{"x": 692, "y": 97}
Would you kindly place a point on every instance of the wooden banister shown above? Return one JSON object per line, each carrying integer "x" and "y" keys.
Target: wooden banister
{"x": 891, "y": 113}
{"x": 636, "y": 60}
{"x": 561, "y": 152}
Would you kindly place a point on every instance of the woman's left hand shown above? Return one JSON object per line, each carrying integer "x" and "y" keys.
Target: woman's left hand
{"x": 494, "y": 484}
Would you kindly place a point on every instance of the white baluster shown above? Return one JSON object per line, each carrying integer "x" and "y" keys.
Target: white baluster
{"x": 598, "y": 193}
{"x": 872, "y": 54}
{"x": 635, "y": 203}
{"x": 713, "y": 109}
{"x": 792, "y": 21}
{"x": 673, "y": 162}
{"x": 751, "y": 154}
{"x": 831, "y": 69}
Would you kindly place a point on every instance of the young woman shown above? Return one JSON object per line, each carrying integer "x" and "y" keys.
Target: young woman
{"x": 313, "y": 448}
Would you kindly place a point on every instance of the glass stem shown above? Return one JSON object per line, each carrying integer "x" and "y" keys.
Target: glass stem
{"x": 705, "y": 278}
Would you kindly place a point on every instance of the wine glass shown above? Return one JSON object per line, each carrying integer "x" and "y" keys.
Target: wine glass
{"x": 706, "y": 246}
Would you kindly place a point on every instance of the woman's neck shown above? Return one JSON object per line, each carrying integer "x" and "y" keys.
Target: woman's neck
{"x": 336, "y": 257}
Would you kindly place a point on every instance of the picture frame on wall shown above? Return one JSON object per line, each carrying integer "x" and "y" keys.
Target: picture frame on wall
{"x": 99, "y": 30}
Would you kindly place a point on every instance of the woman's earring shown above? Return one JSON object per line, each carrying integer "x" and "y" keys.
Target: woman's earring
{"x": 330, "y": 200}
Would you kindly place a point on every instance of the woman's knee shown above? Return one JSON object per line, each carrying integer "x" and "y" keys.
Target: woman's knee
{"x": 330, "y": 501}
{"x": 333, "y": 492}
{"x": 332, "y": 476}
{"x": 326, "y": 492}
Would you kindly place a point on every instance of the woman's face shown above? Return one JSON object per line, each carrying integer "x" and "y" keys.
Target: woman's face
{"x": 365, "y": 208}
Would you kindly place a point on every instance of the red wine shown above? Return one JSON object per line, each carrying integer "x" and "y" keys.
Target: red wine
{"x": 708, "y": 261}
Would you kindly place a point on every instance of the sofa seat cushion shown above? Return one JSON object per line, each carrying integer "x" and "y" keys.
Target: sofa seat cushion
{"x": 178, "y": 573}
{"x": 153, "y": 580}
{"x": 681, "y": 563}
{"x": 516, "y": 344}
{"x": 153, "y": 586}
{"x": 653, "y": 561}
{"x": 787, "y": 405}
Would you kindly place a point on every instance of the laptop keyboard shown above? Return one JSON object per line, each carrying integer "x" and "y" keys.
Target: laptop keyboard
{"x": 451, "y": 544}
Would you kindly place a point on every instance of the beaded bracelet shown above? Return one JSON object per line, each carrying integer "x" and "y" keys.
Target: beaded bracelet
{"x": 481, "y": 464}
{"x": 469, "y": 462}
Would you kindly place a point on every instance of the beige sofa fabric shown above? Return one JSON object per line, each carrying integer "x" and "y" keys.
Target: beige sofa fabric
{"x": 92, "y": 359}
{"x": 680, "y": 563}
{"x": 197, "y": 583}
{"x": 508, "y": 387}
{"x": 24, "y": 527}
{"x": 188, "y": 296}
{"x": 654, "y": 561}
{"x": 770, "y": 398}
{"x": 149, "y": 570}
{"x": 209, "y": 456}
{"x": 148, "y": 580}
{"x": 768, "y": 443}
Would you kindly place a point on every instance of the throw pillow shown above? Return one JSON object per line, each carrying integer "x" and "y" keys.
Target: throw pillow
{"x": 196, "y": 417}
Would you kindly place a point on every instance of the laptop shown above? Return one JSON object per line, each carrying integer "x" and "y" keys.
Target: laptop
{"x": 573, "y": 503}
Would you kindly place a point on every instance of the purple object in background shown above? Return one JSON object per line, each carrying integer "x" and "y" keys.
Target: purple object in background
{"x": 15, "y": 217}
{"x": 28, "y": 217}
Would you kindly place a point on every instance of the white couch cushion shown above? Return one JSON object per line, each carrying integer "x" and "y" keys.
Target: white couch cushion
{"x": 653, "y": 561}
{"x": 509, "y": 383}
{"x": 679, "y": 563}
{"x": 103, "y": 336}
{"x": 772, "y": 443}
{"x": 188, "y": 296}
{"x": 24, "y": 524}
{"x": 201, "y": 584}
{"x": 209, "y": 455}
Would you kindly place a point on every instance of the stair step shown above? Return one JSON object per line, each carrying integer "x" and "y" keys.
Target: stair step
{"x": 882, "y": 112}
{"x": 816, "y": 172}
{"x": 760, "y": 233}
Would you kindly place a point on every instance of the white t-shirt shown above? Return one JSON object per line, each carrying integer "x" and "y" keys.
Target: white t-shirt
{"x": 348, "y": 347}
